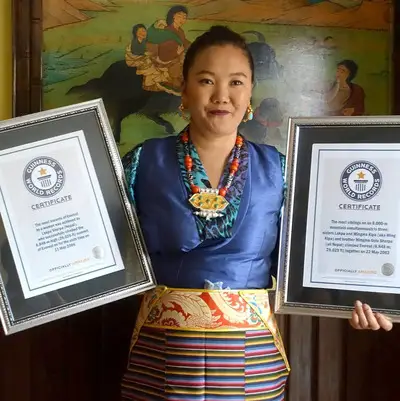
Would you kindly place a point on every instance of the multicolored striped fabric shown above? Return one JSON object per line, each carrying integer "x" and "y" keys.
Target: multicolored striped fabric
{"x": 204, "y": 366}
{"x": 205, "y": 345}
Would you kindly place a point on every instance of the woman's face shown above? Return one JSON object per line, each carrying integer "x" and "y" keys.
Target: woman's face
{"x": 218, "y": 89}
{"x": 141, "y": 34}
{"x": 180, "y": 18}
{"x": 342, "y": 73}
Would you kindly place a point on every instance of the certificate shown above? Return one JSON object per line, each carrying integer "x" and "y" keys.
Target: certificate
{"x": 70, "y": 239}
{"x": 352, "y": 235}
{"x": 55, "y": 215}
{"x": 340, "y": 228}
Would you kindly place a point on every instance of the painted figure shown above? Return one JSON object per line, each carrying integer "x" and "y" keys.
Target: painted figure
{"x": 167, "y": 43}
{"x": 345, "y": 98}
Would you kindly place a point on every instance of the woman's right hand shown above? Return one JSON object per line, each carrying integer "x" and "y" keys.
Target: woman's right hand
{"x": 363, "y": 318}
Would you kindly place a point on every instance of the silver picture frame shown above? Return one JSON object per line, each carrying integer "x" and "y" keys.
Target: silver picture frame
{"x": 19, "y": 313}
{"x": 291, "y": 296}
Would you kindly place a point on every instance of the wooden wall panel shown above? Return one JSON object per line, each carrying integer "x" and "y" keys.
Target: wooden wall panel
{"x": 331, "y": 366}
{"x": 15, "y": 369}
{"x": 301, "y": 344}
{"x": 22, "y": 55}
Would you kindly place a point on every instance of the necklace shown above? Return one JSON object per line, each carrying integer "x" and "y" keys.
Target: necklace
{"x": 209, "y": 202}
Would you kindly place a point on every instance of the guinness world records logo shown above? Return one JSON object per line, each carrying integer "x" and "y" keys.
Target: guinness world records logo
{"x": 44, "y": 177}
{"x": 361, "y": 180}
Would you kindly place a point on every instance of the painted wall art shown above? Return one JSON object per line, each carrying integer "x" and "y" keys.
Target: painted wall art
{"x": 313, "y": 58}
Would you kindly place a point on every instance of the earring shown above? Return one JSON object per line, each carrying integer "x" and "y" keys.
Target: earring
{"x": 249, "y": 114}
{"x": 182, "y": 112}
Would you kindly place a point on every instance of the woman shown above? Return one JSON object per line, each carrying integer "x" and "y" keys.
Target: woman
{"x": 208, "y": 203}
{"x": 138, "y": 42}
{"x": 167, "y": 42}
{"x": 138, "y": 56}
{"x": 175, "y": 42}
{"x": 345, "y": 98}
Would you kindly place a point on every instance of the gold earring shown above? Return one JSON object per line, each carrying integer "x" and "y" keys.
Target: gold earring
{"x": 182, "y": 112}
{"x": 249, "y": 114}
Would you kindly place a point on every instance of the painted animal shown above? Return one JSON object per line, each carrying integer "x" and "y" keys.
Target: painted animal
{"x": 264, "y": 57}
{"x": 264, "y": 127}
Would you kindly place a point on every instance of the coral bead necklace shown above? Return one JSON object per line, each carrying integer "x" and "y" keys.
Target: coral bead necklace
{"x": 209, "y": 202}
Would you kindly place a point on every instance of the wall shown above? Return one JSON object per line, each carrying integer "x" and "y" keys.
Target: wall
{"x": 5, "y": 60}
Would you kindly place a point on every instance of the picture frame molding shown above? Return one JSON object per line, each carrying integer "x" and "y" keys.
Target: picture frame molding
{"x": 10, "y": 325}
{"x": 288, "y": 224}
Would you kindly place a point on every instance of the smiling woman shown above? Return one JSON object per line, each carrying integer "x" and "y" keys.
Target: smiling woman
{"x": 210, "y": 222}
{"x": 207, "y": 332}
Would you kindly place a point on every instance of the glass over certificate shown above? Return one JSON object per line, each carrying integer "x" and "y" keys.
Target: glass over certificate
{"x": 54, "y": 214}
{"x": 352, "y": 236}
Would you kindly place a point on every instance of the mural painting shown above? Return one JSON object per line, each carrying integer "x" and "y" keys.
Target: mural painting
{"x": 312, "y": 57}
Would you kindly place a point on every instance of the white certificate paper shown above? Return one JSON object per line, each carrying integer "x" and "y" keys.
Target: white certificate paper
{"x": 54, "y": 214}
{"x": 352, "y": 237}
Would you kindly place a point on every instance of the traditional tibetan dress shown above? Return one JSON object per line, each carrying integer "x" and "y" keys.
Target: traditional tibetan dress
{"x": 207, "y": 332}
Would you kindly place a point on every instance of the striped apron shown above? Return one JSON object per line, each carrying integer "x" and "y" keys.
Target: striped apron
{"x": 205, "y": 345}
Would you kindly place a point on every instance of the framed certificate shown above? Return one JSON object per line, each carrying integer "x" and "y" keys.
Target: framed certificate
{"x": 69, "y": 237}
{"x": 340, "y": 234}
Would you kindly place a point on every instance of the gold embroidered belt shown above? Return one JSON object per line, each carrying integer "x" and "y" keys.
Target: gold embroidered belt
{"x": 208, "y": 310}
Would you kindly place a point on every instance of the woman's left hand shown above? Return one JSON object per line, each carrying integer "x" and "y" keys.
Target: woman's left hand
{"x": 363, "y": 318}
